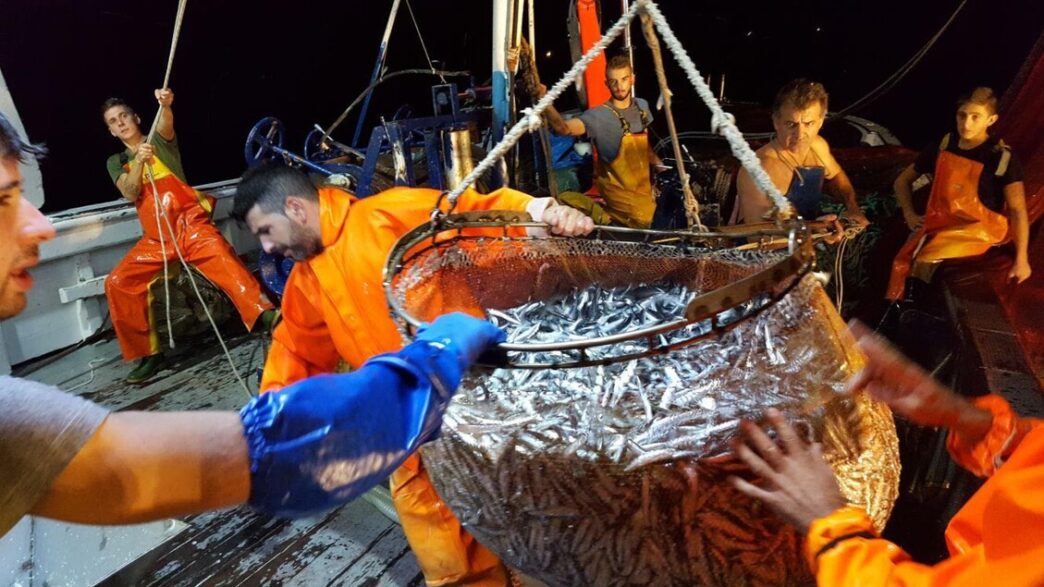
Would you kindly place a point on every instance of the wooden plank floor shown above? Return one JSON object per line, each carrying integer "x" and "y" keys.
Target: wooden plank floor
{"x": 353, "y": 545}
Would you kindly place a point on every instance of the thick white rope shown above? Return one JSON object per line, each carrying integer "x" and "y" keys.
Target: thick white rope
{"x": 531, "y": 118}
{"x": 722, "y": 122}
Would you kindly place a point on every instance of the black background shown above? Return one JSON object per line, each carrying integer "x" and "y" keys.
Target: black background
{"x": 304, "y": 61}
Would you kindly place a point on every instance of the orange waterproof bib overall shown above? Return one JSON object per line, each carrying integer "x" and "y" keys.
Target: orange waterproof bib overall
{"x": 956, "y": 223}
{"x": 127, "y": 286}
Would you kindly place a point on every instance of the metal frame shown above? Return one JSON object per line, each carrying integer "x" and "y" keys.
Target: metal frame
{"x": 709, "y": 307}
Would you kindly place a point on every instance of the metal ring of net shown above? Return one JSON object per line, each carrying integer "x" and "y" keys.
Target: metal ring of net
{"x": 469, "y": 262}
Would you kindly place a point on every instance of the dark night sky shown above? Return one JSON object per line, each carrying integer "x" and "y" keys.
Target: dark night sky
{"x": 305, "y": 61}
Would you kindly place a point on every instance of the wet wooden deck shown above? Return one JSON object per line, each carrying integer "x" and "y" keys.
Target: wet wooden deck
{"x": 353, "y": 545}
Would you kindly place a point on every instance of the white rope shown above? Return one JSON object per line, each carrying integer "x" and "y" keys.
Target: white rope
{"x": 162, "y": 212}
{"x": 199, "y": 296}
{"x": 522, "y": 126}
{"x": 722, "y": 122}
{"x": 163, "y": 250}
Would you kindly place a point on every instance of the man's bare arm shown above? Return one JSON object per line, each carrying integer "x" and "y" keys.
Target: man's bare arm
{"x": 574, "y": 127}
{"x": 142, "y": 466}
{"x": 1015, "y": 196}
{"x": 838, "y": 185}
{"x": 904, "y": 195}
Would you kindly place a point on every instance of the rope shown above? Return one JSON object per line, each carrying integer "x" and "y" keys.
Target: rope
{"x": 148, "y": 166}
{"x": 692, "y": 205}
{"x": 379, "y": 81}
{"x": 894, "y": 79}
{"x": 522, "y": 126}
{"x": 173, "y": 238}
{"x": 722, "y": 122}
{"x": 416, "y": 27}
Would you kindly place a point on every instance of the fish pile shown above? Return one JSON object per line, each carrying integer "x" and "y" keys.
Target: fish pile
{"x": 614, "y": 474}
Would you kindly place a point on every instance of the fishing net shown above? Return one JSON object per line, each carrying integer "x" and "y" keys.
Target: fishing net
{"x": 613, "y": 471}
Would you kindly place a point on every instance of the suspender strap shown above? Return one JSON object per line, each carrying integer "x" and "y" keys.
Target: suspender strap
{"x": 623, "y": 119}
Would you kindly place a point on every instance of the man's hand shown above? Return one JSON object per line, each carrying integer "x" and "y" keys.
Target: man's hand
{"x": 566, "y": 221}
{"x": 796, "y": 482}
{"x": 838, "y": 230}
{"x": 143, "y": 153}
{"x": 1020, "y": 271}
{"x": 857, "y": 217}
{"x": 165, "y": 97}
{"x": 913, "y": 221}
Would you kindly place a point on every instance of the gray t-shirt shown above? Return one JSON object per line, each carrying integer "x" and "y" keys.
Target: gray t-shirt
{"x": 604, "y": 128}
{"x": 41, "y": 430}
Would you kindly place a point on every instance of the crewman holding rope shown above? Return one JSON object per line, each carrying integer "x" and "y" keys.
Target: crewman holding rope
{"x": 797, "y": 160}
{"x": 188, "y": 211}
{"x": 622, "y": 169}
{"x": 335, "y": 315}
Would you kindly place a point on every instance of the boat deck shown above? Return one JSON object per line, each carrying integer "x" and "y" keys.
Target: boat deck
{"x": 353, "y": 545}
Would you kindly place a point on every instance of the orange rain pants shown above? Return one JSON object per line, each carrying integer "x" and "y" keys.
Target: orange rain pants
{"x": 335, "y": 312}
{"x": 956, "y": 223}
{"x": 127, "y": 286}
{"x": 997, "y": 538}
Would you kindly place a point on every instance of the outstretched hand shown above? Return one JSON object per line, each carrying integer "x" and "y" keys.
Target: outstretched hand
{"x": 795, "y": 480}
{"x": 891, "y": 378}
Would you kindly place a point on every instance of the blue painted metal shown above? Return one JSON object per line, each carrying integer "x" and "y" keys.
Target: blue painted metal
{"x": 275, "y": 270}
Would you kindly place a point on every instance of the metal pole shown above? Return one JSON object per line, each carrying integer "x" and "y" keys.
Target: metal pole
{"x": 381, "y": 54}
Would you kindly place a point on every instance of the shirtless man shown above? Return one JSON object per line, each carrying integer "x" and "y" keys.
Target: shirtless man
{"x": 798, "y": 160}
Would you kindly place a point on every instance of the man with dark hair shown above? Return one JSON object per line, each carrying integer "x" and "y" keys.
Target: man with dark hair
{"x": 797, "y": 160}
{"x": 65, "y": 458}
{"x": 335, "y": 314}
{"x": 618, "y": 130}
{"x": 977, "y": 178}
{"x": 188, "y": 212}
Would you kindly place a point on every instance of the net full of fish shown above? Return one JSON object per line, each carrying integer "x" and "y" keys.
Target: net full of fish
{"x": 615, "y": 474}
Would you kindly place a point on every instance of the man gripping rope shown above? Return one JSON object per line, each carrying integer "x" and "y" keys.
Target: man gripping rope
{"x": 127, "y": 286}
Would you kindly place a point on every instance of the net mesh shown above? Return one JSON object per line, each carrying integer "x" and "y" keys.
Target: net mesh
{"x": 615, "y": 474}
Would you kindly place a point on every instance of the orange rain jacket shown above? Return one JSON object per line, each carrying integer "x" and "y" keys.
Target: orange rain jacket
{"x": 334, "y": 311}
{"x": 997, "y": 538}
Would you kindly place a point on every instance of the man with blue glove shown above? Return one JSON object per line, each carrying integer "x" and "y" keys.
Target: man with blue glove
{"x": 310, "y": 447}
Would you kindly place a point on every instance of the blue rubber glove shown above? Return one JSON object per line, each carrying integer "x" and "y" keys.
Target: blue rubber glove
{"x": 324, "y": 441}
{"x": 467, "y": 336}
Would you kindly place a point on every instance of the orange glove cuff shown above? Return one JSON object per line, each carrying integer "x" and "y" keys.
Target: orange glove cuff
{"x": 985, "y": 456}
{"x": 842, "y": 524}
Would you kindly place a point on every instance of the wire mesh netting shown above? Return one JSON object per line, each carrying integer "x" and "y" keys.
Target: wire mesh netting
{"x": 614, "y": 473}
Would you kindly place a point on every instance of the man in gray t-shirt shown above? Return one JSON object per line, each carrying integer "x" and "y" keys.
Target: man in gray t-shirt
{"x": 65, "y": 458}
{"x": 618, "y": 130}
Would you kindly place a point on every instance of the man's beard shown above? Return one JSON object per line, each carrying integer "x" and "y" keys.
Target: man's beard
{"x": 304, "y": 245}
